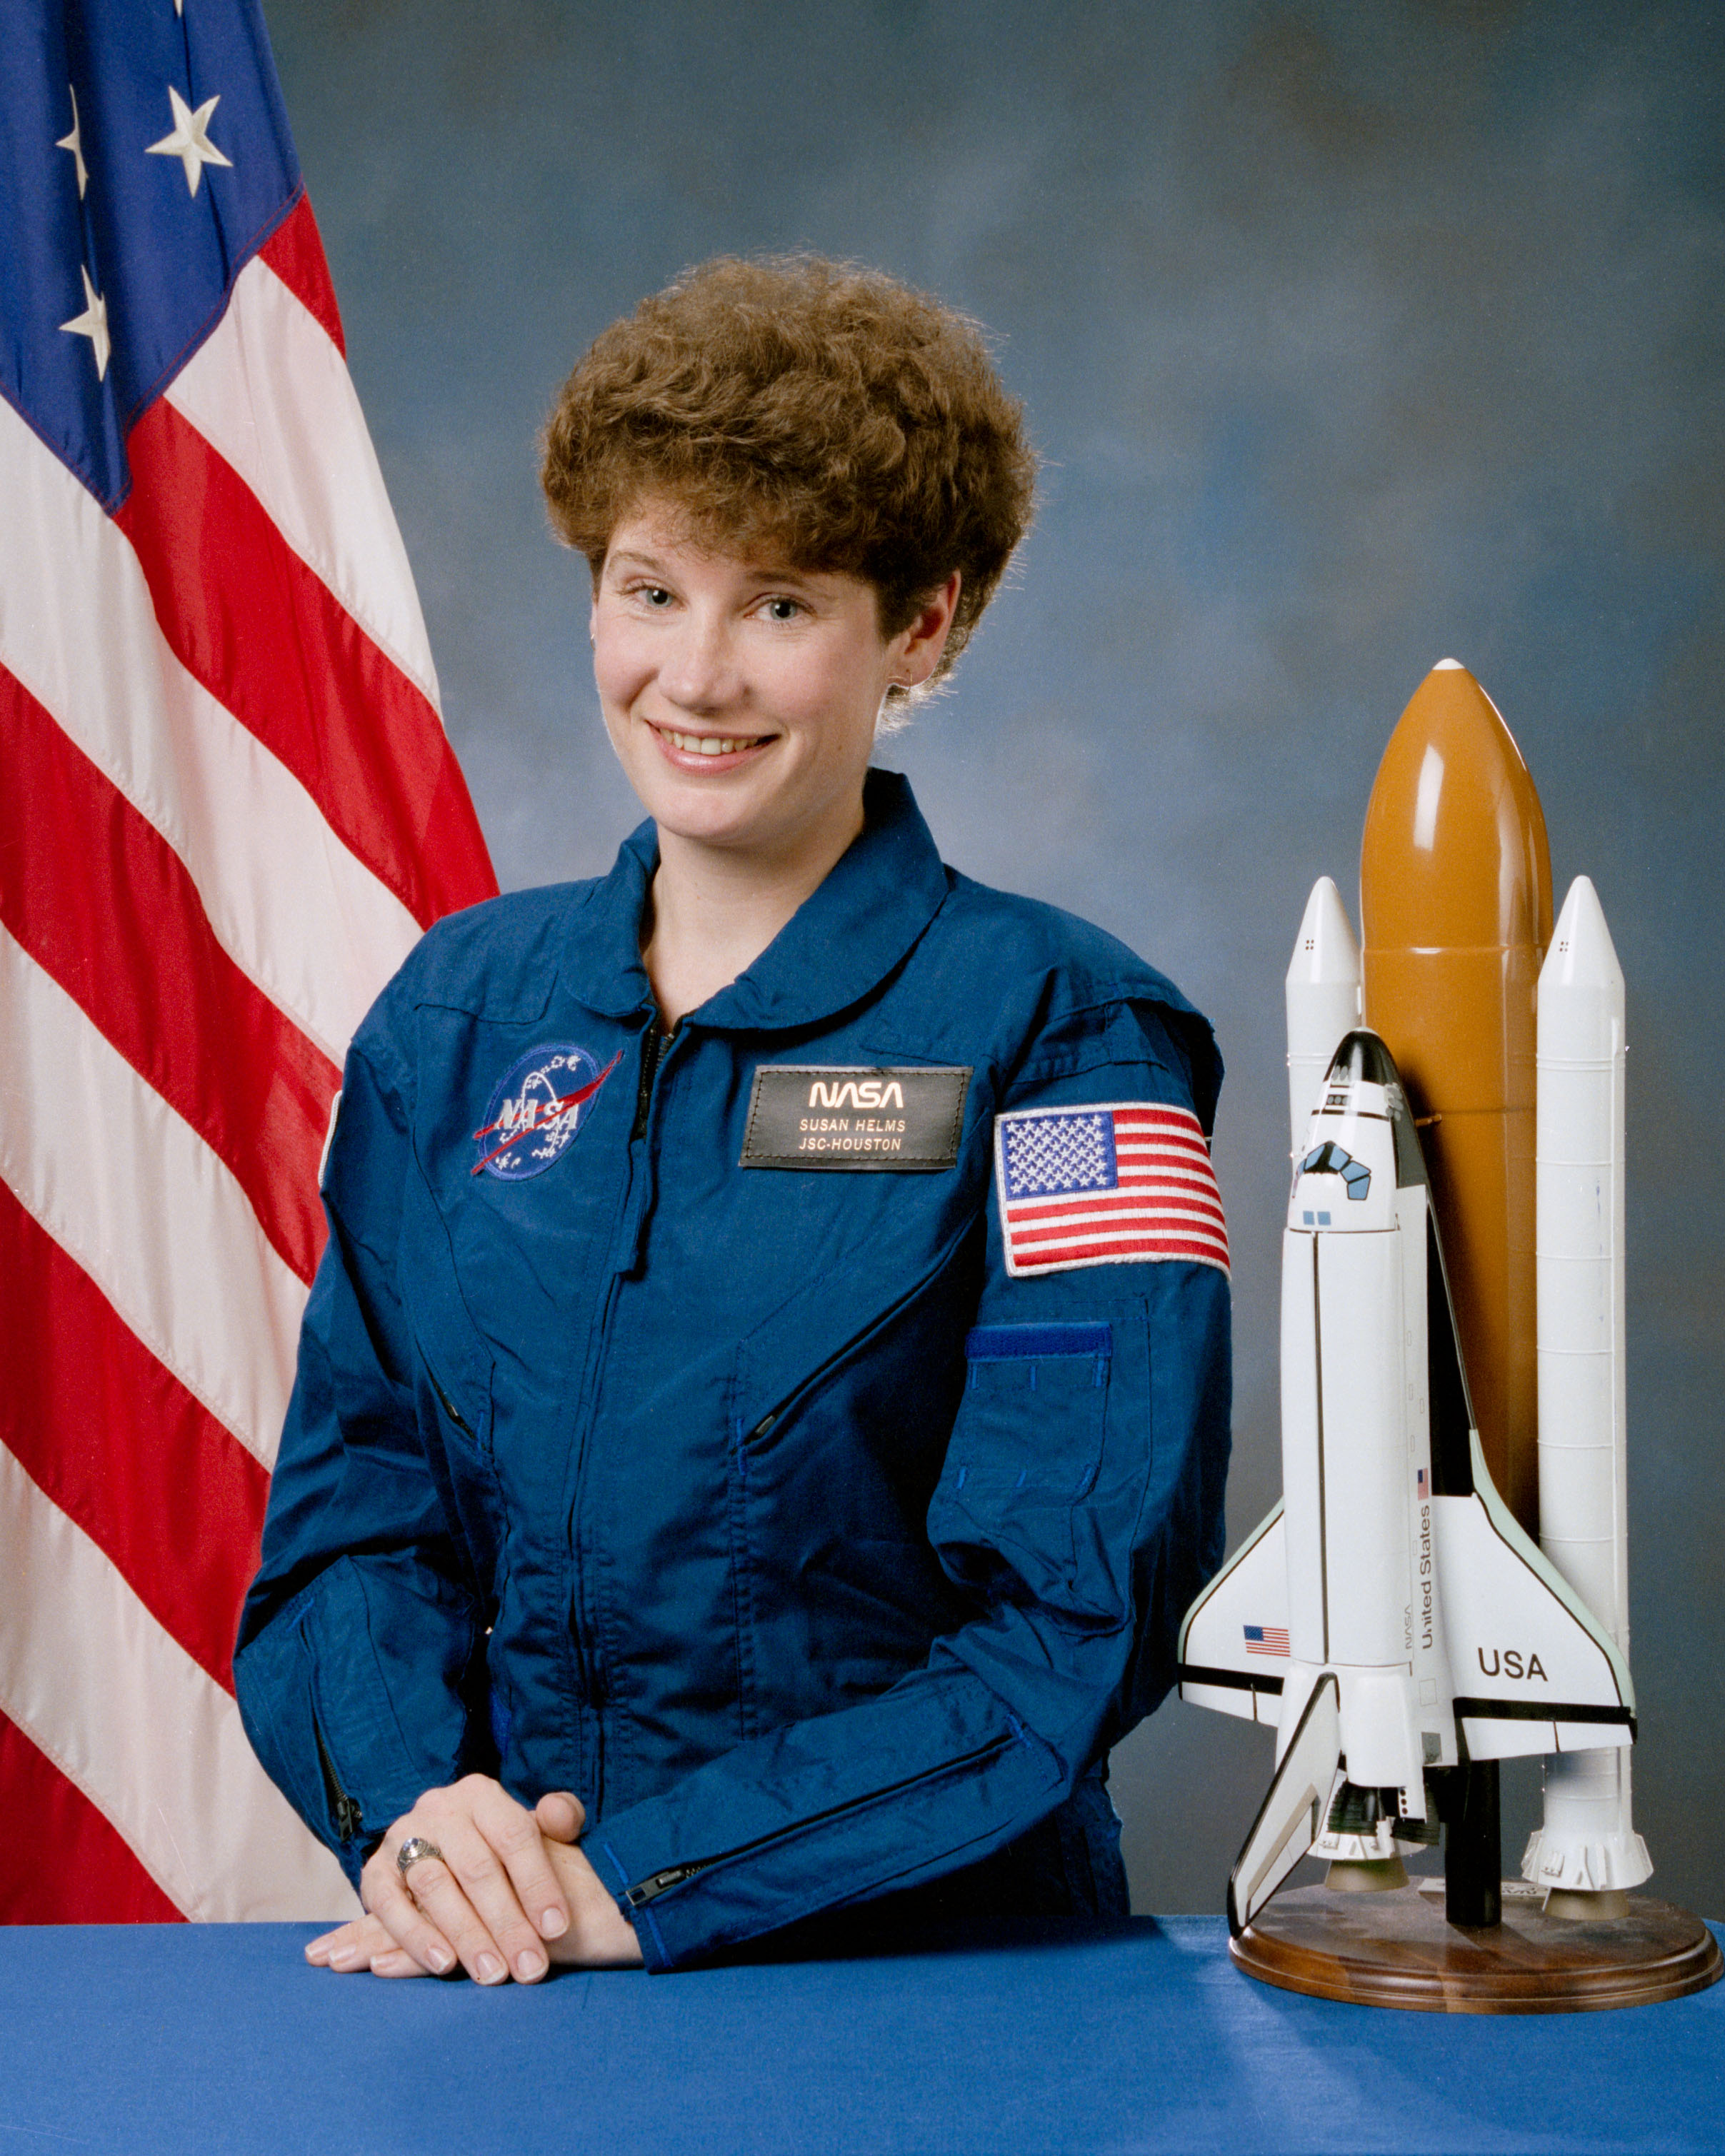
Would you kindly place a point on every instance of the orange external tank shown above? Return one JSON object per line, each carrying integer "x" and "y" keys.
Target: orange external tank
{"x": 1455, "y": 910}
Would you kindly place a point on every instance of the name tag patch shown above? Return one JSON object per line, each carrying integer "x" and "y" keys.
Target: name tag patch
{"x": 821, "y": 1115}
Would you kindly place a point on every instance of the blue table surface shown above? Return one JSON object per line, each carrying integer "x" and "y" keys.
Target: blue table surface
{"x": 1035, "y": 2038}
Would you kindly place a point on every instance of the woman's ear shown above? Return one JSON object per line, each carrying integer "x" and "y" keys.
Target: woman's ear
{"x": 919, "y": 647}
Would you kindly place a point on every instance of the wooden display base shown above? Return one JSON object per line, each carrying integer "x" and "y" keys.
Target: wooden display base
{"x": 1396, "y": 1949}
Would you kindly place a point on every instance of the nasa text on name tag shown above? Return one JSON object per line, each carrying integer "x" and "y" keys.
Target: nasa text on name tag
{"x": 811, "y": 1114}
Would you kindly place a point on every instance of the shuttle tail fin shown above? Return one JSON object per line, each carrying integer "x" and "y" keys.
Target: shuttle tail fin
{"x": 1294, "y": 1811}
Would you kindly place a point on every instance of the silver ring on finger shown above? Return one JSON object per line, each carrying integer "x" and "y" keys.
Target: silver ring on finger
{"x": 411, "y": 1850}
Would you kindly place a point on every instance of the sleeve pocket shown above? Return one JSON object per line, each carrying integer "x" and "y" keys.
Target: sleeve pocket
{"x": 1025, "y": 1450}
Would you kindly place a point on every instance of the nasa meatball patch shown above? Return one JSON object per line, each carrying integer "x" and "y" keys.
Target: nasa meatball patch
{"x": 820, "y": 1115}
{"x": 536, "y": 1108}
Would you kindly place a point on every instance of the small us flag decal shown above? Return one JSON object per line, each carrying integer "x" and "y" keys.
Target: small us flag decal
{"x": 1111, "y": 1184}
{"x": 1265, "y": 1639}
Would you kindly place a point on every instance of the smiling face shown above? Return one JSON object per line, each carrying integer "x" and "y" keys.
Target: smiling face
{"x": 740, "y": 694}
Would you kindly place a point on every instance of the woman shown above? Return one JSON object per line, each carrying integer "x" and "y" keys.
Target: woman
{"x": 764, "y": 1405}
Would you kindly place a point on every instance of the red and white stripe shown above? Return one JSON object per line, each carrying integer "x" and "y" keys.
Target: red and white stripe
{"x": 228, "y": 809}
{"x": 1167, "y": 1203}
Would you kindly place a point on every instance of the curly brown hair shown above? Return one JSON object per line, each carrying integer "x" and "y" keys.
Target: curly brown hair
{"x": 825, "y": 409}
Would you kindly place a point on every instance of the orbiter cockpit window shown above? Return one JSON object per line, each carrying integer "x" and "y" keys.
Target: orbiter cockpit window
{"x": 1329, "y": 1159}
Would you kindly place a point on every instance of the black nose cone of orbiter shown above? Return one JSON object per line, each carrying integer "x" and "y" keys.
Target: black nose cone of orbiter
{"x": 1363, "y": 1056}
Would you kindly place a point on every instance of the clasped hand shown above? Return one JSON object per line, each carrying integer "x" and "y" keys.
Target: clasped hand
{"x": 509, "y": 1895}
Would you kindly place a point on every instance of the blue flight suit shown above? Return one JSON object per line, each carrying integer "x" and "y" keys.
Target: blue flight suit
{"x": 769, "y": 1509}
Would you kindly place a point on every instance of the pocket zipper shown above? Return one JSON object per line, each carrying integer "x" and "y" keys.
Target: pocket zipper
{"x": 659, "y": 1882}
{"x": 449, "y": 1406}
{"x": 348, "y": 1816}
{"x": 650, "y": 1889}
{"x": 810, "y": 1379}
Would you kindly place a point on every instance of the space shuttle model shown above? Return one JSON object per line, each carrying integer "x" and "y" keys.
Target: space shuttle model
{"x": 1451, "y": 1327}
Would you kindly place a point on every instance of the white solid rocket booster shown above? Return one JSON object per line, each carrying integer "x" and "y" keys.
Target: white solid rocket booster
{"x": 1323, "y": 1001}
{"x": 1588, "y": 1844}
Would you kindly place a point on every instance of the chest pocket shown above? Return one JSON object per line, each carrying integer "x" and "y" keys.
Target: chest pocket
{"x": 1025, "y": 1450}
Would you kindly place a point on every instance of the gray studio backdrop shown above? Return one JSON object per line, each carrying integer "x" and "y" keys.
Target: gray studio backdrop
{"x": 1353, "y": 336}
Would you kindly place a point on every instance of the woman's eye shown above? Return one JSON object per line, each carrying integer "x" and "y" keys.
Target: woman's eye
{"x": 655, "y": 595}
{"x": 783, "y": 609}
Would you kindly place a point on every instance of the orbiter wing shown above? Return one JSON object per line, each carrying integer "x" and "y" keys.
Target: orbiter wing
{"x": 1233, "y": 1644}
{"x": 1534, "y": 1671}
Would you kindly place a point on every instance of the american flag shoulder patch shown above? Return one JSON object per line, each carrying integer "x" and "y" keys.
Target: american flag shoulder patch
{"x": 1111, "y": 1184}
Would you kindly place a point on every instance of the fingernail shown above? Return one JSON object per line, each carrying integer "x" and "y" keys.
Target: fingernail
{"x": 342, "y": 1956}
{"x": 529, "y": 1963}
{"x": 490, "y": 1969}
{"x": 440, "y": 1958}
{"x": 553, "y": 1923}
{"x": 317, "y": 1951}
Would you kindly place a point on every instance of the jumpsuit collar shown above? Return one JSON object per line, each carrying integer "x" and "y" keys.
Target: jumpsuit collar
{"x": 839, "y": 944}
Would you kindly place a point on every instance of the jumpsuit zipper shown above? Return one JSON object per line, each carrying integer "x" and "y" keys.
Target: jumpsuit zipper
{"x": 652, "y": 1048}
{"x": 654, "y": 1045}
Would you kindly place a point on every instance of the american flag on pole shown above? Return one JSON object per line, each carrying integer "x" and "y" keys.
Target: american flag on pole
{"x": 1119, "y": 1182}
{"x": 227, "y": 810}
